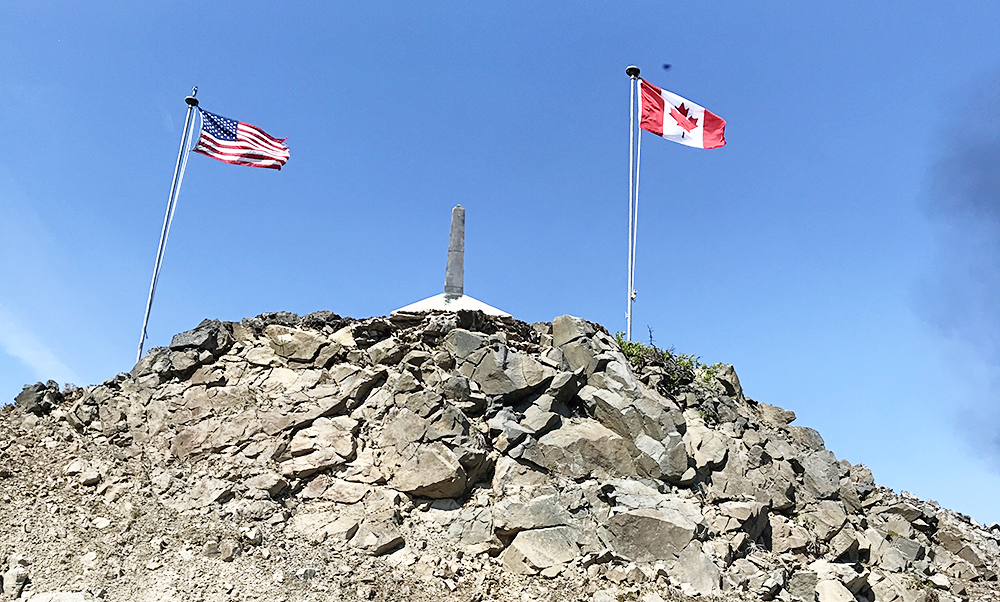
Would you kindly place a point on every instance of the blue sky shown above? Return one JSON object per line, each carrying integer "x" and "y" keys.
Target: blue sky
{"x": 841, "y": 251}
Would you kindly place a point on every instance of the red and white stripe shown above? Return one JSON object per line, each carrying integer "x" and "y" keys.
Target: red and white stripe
{"x": 253, "y": 147}
{"x": 674, "y": 118}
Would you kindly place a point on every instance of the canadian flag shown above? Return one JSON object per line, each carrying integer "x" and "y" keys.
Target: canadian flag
{"x": 674, "y": 118}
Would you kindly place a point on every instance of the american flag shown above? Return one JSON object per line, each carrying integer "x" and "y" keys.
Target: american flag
{"x": 239, "y": 143}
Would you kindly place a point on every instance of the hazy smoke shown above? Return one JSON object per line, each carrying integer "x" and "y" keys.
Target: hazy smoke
{"x": 962, "y": 293}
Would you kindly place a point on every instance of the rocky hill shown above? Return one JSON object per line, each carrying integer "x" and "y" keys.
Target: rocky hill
{"x": 449, "y": 456}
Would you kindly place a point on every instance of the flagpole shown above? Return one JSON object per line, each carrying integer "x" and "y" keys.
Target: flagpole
{"x": 633, "y": 72}
{"x": 175, "y": 186}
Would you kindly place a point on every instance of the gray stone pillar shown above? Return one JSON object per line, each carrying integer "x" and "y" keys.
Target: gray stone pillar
{"x": 455, "y": 272}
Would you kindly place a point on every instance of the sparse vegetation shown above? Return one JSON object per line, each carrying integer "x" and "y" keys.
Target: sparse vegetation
{"x": 674, "y": 369}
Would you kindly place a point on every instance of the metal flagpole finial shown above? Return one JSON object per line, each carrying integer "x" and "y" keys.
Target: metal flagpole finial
{"x": 191, "y": 100}
{"x": 632, "y": 71}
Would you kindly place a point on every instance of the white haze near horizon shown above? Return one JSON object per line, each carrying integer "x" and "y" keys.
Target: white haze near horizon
{"x": 20, "y": 343}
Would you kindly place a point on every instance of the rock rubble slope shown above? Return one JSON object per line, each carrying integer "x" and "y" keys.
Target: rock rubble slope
{"x": 451, "y": 456}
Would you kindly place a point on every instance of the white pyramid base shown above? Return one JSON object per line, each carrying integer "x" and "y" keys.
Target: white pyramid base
{"x": 445, "y": 302}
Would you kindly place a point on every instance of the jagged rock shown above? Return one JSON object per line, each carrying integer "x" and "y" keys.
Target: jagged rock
{"x": 820, "y": 479}
{"x": 566, "y": 329}
{"x": 292, "y": 343}
{"x": 853, "y": 577}
{"x": 949, "y": 537}
{"x": 802, "y": 585}
{"x": 532, "y": 551}
{"x": 510, "y": 374}
{"x": 511, "y": 475}
{"x": 893, "y": 588}
{"x": 377, "y": 538}
{"x": 504, "y": 425}
{"x": 585, "y": 348}
{"x": 775, "y": 416}
{"x": 772, "y": 484}
{"x": 336, "y": 490}
{"x": 825, "y": 518}
{"x": 318, "y": 526}
{"x": 354, "y": 382}
{"x": 388, "y": 351}
{"x": 892, "y": 552}
{"x": 787, "y": 536}
{"x": 458, "y": 390}
{"x": 772, "y": 583}
{"x": 633, "y": 494}
{"x": 708, "y": 447}
{"x": 432, "y": 470}
{"x": 538, "y": 421}
{"x": 206, "y": 492}
{"x": 726, "y": 376}
{"x": 807, "y": 437}
{"x": 829, "y": 590}
{"x": 14, "y": 581}
{"x": 336, "y": 434}
{"x": 397, "y": 453}
{"x": 848, "y": 494}
{"x": 461, "y": 343}
{"x": 432, "y": 450}
{"x": 470, "y": 526}
{"x": 228, "y": 550}
{"x": 863, "y": 480}
{"x": 39, "y": 398}
{"x": 667, "y": 459}
{"x": 512, "y": 515}
{"x": 211, "y": 335}
{"x": 651, "y": 534}
{"x": 940, "y": 581}
{"x": 632, "y": 410}
{"x": 845, "y": 545}
{"x": 749, "y": 517}
{"x": 695, "y": 570}
{"x": 271, "y": 482}
{"x": 582, "y": 448}
{"x": 90, "y": 477}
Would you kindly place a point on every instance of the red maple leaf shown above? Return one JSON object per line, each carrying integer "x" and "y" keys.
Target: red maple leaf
{"x": 680, "y": 115}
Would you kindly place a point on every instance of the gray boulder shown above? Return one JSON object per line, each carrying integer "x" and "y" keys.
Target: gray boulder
{"x": 431, "y": 470}
{"x": 39, "y": 398}
{"x": 510, "y": 374}
{"x": 461, "y": 343}
{"x": 695, "y": 572}
{"x": 14, "y": 582}
{"x": 377, "y": 538}
{"x": 667, "y": 460}
{"x": 821, "y": 478}
{"x": 211, "y": 335}
{"x": 293, "y": 343}
{"x": 654, "y": 534}
{"x": 512, "y": 515}
{"x": 533, "y": 551}
{"x": 582, "y": 448}
{"x": 830, "y": 590}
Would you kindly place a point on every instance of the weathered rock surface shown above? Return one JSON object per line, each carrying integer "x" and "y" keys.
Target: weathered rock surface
{"x": 448, "y": 456}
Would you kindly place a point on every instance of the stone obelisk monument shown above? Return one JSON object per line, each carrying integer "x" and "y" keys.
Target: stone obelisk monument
{"x": 453, "y": 298}
{"x": 454, "y": 273}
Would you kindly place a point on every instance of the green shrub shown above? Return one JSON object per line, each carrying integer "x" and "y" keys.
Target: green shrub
{"x": 678, "y": 368}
